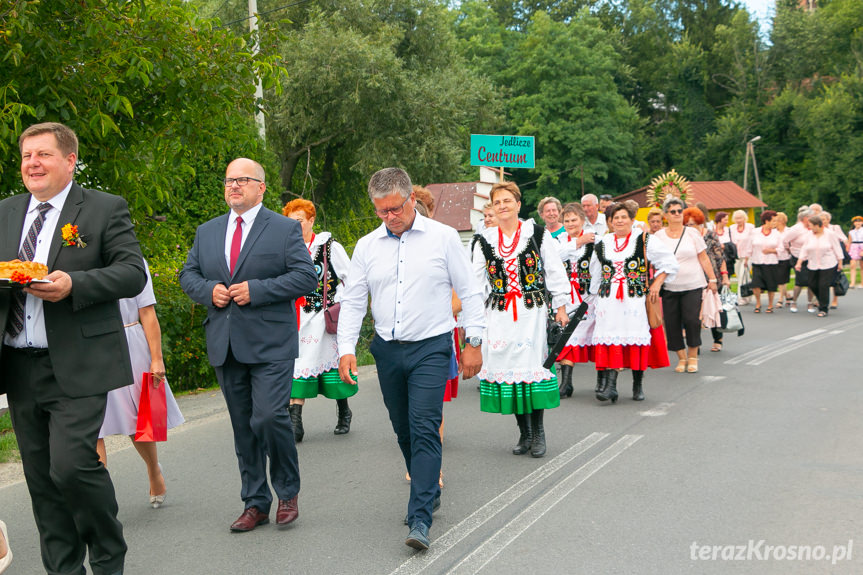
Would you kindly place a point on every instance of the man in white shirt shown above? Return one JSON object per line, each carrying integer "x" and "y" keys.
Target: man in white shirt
{"x": 410, "y": 265}
{"x": 594, "y": 223}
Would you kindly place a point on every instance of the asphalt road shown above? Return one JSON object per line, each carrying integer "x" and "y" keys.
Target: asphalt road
{"x": 745, "y": 467}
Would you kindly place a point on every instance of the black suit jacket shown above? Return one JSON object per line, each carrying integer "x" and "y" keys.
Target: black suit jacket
{"x": 275, "y": 262}
{"x": 86, "y": 341}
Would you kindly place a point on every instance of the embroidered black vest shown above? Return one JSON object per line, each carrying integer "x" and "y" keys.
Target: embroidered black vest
{"x": 635, "y": 270}
{"x": 531, "y": 273}
{"x": 582, "y": 269}
{"x": 315, "y": 300}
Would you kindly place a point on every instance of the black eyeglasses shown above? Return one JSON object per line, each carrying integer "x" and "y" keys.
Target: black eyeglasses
{"x": 674, "y": 212}
{"x": 240, "y": 181}
{"x": 392, "y": 211}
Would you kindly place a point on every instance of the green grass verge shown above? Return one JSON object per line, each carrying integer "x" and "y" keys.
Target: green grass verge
{"x": 8, "y": 444}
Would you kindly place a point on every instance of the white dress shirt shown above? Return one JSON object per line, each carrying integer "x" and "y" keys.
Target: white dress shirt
{"x": 599, "y": 228}
{"x": 410, "y": 280}
{"x": 33, "y": 334}
{"x": 248, "y": 220}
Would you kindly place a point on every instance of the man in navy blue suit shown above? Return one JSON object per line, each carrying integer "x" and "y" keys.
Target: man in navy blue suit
{"x": 247, "y": 267}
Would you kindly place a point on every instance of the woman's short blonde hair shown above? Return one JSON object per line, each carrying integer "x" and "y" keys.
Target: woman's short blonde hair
{"x": 740, "y": 213}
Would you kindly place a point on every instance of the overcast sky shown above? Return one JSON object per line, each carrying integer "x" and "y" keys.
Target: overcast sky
{"x": 763, "y": 10}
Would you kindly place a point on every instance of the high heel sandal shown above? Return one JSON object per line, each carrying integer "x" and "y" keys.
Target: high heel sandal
{"x": 157, "y": 501}
{"x": 692, "y": 365}
{"x": 681, "y": 366}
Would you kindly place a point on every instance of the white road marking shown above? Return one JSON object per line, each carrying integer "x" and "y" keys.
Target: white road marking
{"x": 491, "y": 547}
{"x": 660, "y": 410}
{"x": 712, "y": 378}
{"x": 765, "y": 353}
{"x": 805, "y": 335}
{"x": 787, "y": 348}
{"x": 469, "y": 524}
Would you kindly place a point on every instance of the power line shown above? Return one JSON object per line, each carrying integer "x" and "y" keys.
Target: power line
{"x": 285, "y": 7}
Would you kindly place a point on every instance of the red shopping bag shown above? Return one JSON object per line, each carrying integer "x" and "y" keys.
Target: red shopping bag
{"x": 152, "y": 411}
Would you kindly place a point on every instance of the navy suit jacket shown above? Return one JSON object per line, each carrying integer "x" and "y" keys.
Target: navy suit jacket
{"x": 86, "y": 340}
{"x": 275, "y": 262}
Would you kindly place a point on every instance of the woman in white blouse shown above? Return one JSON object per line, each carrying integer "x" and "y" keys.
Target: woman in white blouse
{"x": 822, "y": 255}
{"x": 764, "y": 255}
{"x": 682, "y": 296}
{"x": 784, "y": 256}
{"x": 855, "y": 248}
{"x": 740, "y": 233}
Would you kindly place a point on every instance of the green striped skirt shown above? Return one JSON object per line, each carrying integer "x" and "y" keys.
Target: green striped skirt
{"x": 328, "y": 384}
{"x": 509, "y": 398}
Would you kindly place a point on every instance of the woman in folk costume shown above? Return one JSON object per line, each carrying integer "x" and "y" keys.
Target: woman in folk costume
{"x": 576, "y": 255}
{"x": 622, "y": 336}
{"x": 316, "y": 370}
{"x": 517, "y": 261}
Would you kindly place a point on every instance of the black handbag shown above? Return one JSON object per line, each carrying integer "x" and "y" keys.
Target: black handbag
{"x": 553, "y": 329}
{"x": 730, "y": 253}
{"x": 744, "y": 288}
{"x": 840, "y": 283}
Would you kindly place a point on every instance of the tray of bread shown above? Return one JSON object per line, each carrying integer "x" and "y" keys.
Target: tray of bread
{"x": 16, "y": 273}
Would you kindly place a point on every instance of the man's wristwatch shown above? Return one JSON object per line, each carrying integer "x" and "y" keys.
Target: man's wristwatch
{"x": 474, "y": 341}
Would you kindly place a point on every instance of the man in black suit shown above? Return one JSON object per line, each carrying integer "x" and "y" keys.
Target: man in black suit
{"x": 247, "y": 267}
{"x": 64, "y": 347}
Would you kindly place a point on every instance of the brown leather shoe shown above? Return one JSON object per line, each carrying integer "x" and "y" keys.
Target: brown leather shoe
{"x": 251, "y": 518}
{"x": 287, "y": 512}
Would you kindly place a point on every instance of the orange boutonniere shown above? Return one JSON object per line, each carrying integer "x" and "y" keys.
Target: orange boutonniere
{"x": 71, "y": 237}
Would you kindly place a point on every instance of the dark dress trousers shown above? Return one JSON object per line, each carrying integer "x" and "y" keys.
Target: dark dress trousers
{"x": 253, "y": 347}
{"x": 57, "y": 397}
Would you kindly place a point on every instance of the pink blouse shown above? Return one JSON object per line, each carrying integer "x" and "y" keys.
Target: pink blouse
{"x": 794, "y": 238}
{"x": 772, "y": 240}
{"x": 821, "y": 252}
{"x": 743, "y": 240}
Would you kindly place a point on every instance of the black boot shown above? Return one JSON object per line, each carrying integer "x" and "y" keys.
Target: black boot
{"x": 637, "y": 388}
{"x": 343, "y": 425}
{"x": 296, "y": 411}
{"x": 564, "y": 380}
{"x": 600, "y": 381}
{"x": 537, "y": 446}
{"x": 609, "y": 389}
{"x": 525, "y": 438}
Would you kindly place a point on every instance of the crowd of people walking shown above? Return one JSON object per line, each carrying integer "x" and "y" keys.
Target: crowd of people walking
{"x": 285, "y": 304}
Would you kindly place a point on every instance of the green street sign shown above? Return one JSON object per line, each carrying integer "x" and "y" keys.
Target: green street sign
{"x": 501, "y": 151}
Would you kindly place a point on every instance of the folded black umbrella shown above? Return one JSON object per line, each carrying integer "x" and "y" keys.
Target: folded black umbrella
{"x": 574, "y": 319}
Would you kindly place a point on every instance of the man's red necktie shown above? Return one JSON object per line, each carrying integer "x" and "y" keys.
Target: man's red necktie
{"x": 236, "y": 243}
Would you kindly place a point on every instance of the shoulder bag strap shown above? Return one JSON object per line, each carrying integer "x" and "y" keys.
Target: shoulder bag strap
{"x": 326, "y": 269}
